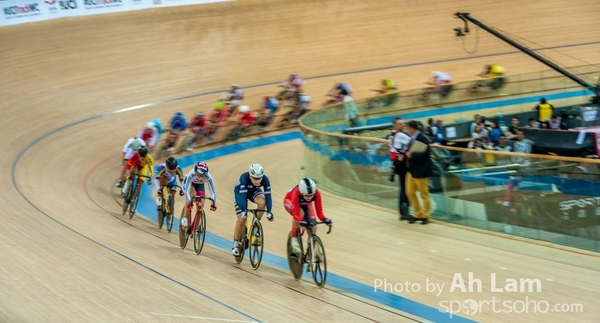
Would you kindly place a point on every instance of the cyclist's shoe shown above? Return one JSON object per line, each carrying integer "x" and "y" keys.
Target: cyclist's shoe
{"x": 119, "y": 183}
{"x": 184, "y": 222}
{"x": 235, "y": 252}
{"x": 296, "y": 246}
{"x": 159, "y": 200}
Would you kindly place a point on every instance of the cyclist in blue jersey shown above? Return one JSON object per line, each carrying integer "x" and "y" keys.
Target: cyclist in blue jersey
{"x": 177, "y": 125}
{"x": 249, "y": 187}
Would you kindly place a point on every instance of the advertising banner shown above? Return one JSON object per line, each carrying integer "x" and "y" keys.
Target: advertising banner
{"x": 25, "y": 11}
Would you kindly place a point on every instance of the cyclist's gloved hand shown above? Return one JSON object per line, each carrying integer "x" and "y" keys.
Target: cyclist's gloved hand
{"x": 270, "y": 216}
{"x": 149, "y": 182}
{"x": 327, "y": 221}
{"x": 213, "y": 207}
{"x": 181, "y": 193}
{"x": 304, "y": 223}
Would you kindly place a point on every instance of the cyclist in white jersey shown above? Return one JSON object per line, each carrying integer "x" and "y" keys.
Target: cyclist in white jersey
{"x": 193, "y": 185}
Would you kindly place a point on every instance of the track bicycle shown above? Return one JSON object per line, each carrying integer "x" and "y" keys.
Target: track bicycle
{"x": 253, "y": 240}
{"x": 314, "y": 256}
{"x": 197, "y": 227}
{"x": 165, "y": 211}
{"x": 132, "y": 196}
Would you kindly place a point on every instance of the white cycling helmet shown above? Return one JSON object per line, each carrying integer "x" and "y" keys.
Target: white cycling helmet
{"x": 256, "y": 171}
{"x": 307, "y": 186}
{"x": 150, "y": 125}
{"x": 244, "y": 109}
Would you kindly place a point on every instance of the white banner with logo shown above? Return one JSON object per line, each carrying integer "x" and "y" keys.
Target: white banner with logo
{"x": 24, "y": 11}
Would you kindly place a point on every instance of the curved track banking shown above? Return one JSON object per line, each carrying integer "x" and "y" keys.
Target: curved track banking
{"x": 64, "y": 258}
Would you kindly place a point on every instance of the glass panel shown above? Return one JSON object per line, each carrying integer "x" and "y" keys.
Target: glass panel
{"x": 555, "y": 199}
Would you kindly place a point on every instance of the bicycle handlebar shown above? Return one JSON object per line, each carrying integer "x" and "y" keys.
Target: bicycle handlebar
{"x": 198, "y": 197}
{"x": 314, "y": 224}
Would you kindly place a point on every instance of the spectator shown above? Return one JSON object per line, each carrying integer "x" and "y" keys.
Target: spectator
{"x": 399, "y": 142}
{"x": 495, "y": 133}
{"x": 503, "y": 145}
{"x": 429, "y": 130}
{"x": 545, "y": 110}
{"x": 351, "y": 111}
{"x": 532, "y": 124}
{"x": 476, "y": 120}
{"x": 419, "y": 169}
{"x": 522, "y": 145}
{"x": 555, "y": 123}
{"x": 480, "y": 132}
{"x": 514, "y": 127}
{"x": 438, "y": 132}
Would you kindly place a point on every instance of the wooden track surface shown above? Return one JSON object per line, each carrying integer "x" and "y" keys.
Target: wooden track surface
{"x": 68, "y": 256}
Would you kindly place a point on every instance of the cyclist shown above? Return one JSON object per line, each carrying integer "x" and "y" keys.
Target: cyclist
{"x": 386, "y": 86}
{"x": 232, "y": 97}
{"x": 177, "y": 126}
{"x": 141, "y": 163}
{"x": 167, "y": 174}
{"x": 131, "y": 146}
{"x": 494, "y": 74}
{"x": 149, "y": 134}
{"x": 248, "y": 187}
{"x": 197, "y": 126}
{"x": 442, "y": 85}
{"x": 193, "y": 185}
{"x": 298, "y": 203}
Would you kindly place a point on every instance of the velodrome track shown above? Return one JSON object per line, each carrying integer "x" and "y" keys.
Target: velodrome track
{"x": 68, "y": 256}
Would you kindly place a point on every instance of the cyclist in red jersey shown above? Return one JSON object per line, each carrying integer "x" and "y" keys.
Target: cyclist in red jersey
{"x": 298, "y": 202}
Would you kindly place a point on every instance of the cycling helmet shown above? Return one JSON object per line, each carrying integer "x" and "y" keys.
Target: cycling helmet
{"x": 150, "y": 125}
{"x": 200, "y": 114}
{"x": 307, "y": 186}
{"x": 143, "y": 151}
{"x": 256, "y": 171}
{"x": 135, "y": 145}
{"x": 244, "y": 109}
{"x": 201, "y": 168}
{"x": 179, "y": 114}
{"x": 219, "y": 105}
{"x": 171, "y": 163}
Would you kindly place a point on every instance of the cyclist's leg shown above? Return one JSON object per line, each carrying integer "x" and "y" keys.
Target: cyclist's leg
{"x": 239, "y": 224}
{"x": 258, "y": 197}
{"x": 131, "y": 169}
{"x": 160, "y": 183}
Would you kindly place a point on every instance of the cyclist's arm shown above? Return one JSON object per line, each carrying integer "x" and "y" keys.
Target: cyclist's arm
{"x": 187, "y": 185}
{"x": 267, "y": 185}
{"x": 240, "y": 197}
{"x": 296, "y": 205}
{"x": 161, "y": 171}
{"x": 319, "y": 205}
{"x": 211, "y": 184}
{"x": 180, "y": 175}
{"x": 150, "y": 162}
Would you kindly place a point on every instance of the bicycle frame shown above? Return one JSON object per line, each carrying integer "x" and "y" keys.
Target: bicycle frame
{"x": 310, "y": 242}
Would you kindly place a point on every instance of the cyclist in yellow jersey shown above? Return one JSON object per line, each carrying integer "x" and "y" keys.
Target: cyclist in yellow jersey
{"x": 495, "y": 75}
{"x": 141, "y": 163}
{"x": 386, "y": 86}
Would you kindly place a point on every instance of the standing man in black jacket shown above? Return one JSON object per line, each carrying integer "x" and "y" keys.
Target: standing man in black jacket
{"x": 419, "y": 169}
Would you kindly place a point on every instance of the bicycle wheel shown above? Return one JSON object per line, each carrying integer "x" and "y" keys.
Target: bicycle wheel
{"x": 161, "y": 214}
{"x": 294, "y": 260}
{"x": 183, "y": 237}
{"x": 134, "y": 200}
{"x": 242, "y": 246}
{"x": 169, "y": 213}
{"x": 256, "y": 244}
{"x": 319, "y": 267}
{"x": 200, "y": 232}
